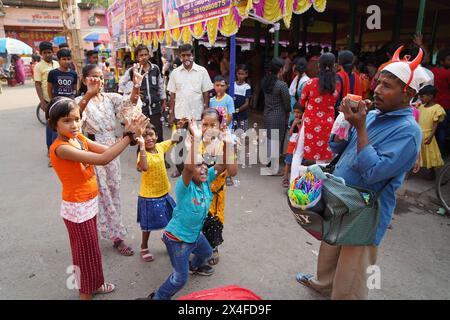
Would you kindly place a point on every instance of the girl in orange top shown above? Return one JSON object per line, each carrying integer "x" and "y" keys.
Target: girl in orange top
{"x": 73, "y": 157}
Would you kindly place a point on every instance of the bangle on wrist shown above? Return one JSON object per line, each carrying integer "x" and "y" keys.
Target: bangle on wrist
{"x": 131, "y": 135}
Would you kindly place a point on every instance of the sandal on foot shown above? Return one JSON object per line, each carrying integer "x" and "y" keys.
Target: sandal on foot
{"x": 105, "y": 288}
{"x": 214, "y": 258}
{"x": 146, "y": 255}
{"x": 124, "y": 249}
{"x": 285, "y": 183}
{"x": 303, "y": 278}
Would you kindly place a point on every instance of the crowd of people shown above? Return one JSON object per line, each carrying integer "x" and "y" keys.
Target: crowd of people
{"x": 302, "y": 95}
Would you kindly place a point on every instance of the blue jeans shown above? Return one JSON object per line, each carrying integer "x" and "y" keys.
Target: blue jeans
{"x": 179, "y": 253}
{"x": 50, "y": 136}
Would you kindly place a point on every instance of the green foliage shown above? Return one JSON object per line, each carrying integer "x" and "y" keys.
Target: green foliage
{"x": 99, "y": 3}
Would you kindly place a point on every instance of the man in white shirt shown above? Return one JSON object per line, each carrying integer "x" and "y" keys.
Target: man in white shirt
{"x": 189, "y": 87}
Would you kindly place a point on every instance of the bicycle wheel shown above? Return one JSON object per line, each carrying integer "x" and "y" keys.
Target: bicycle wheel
{"x": 443, "y": 186}
{"x": 40, "y": 114}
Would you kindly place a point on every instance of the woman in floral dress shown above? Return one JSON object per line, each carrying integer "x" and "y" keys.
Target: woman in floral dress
{"x": 102, "y": 110}
{"x": 319, "y": 97}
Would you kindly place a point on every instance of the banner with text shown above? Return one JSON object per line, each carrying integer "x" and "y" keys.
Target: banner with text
{"x": 178, "y": 13}
{"x": 152, "y": 15}
{"x": 116, "y": 24}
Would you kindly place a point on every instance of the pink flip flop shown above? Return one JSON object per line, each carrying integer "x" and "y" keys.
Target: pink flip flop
{"x": 146, "y": 255}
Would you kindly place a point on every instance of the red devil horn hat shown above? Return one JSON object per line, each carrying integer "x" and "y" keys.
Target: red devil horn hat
{"x": 412, "y": 65}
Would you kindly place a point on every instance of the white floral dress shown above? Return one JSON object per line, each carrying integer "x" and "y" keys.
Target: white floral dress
{"x": 100, "y": 119}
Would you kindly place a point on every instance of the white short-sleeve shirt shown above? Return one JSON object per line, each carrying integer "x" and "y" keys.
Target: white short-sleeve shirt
{"x": 189, "y": 87}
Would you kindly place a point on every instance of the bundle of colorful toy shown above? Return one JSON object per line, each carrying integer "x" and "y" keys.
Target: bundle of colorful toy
{"x": 305, "y": 191}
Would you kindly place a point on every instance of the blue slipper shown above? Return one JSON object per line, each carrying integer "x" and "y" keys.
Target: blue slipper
{"x": 303, "y": 278}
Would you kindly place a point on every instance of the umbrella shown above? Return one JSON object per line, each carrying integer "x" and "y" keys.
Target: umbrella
{"x": 14, "y": 46}
{"x": 102, "y": 47}
{"x": 102, "y": 37}
{"x": 59, "y": 40}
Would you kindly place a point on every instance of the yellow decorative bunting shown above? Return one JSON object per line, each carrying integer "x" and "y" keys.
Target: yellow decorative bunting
{"x": 145, "y": 37}
{"x": 302, "y": 6}
{"x": 199, "y": 30}
{"x": 186, "y": 35}
{"x": 229, "y": 26}
{"x": 288, "y": 14}
{"x": 212, "y": 27}
{"x": 272, "y": 11}
{"x": 160, "y": 36}
{"x": 320, "y": 5}
{"x": 244, "y": 8}
{"x": 176, "y": 34}
{"x": 168, "y": 38}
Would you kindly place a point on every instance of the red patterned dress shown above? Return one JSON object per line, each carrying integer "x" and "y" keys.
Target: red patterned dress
{"x": 318, "y": 120}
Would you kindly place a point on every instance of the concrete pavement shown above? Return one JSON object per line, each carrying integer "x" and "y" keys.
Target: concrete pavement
{"x": 263, "y": 249}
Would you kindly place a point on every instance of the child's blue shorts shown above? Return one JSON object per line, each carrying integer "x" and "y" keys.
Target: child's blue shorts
{"x": 154, "y": 213}
{"x": 288, "y": 158}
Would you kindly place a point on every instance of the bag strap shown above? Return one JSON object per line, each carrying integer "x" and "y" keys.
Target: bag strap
{"x": 317, "y": 171}
{"x": 334, "y": 161}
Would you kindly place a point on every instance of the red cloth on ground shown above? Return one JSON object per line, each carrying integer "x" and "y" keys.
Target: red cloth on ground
{"x": 231, "y": 292}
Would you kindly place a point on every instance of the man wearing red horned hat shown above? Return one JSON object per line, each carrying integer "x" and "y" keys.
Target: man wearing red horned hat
{"x": 382, "y": 146}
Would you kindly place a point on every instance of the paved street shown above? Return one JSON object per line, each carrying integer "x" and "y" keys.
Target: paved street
{"x": 263, "y": 249}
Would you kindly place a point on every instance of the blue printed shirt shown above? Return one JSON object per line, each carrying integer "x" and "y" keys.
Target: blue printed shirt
{"x": 192, "y": 207}
{"x": 225, "y": 106}
{"x": 394, "y": 143}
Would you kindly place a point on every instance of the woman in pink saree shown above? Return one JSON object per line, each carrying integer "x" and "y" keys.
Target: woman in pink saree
{"x": 19, "y": 69}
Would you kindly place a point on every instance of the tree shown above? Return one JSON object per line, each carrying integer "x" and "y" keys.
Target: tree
{"x": 99, "y": 3}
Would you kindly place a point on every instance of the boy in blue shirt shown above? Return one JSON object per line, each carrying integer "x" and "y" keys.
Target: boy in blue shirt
{"x": 62, "y": 82}
{"x": 222, "y": 101}
{"x": 183, "y": 235}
